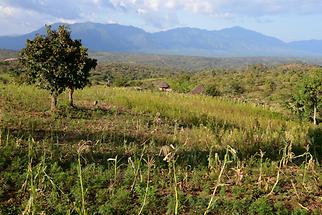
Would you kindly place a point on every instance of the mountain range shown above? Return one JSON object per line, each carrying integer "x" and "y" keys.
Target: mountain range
{"x": 228, "y": 42}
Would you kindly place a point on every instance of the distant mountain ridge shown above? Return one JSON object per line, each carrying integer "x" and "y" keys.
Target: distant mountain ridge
{"x": 228, "y": 42}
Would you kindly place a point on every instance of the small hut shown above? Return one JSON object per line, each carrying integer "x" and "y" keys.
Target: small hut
{"x": 10, "y": 59}
{"x": 198, "y": 90}
{"x": 164, "y": 86}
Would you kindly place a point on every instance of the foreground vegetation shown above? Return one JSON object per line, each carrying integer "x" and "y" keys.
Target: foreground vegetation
{"x": 133, "y": 152}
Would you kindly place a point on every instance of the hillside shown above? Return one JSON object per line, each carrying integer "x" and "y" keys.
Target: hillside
{"x": 6, "y": 53}
{"x": 148, "y": 151}
{"x": 194, "y": 63}
{"x": 235, "y": 41}
{"x": 177, "y": 62}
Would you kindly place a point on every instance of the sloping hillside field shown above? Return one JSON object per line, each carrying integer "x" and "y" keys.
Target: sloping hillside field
{"x": 123, "y": 151}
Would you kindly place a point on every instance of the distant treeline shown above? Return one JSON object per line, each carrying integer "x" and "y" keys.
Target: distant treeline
{"x": 191, "y": 63}
{"x": 197, "y": 63}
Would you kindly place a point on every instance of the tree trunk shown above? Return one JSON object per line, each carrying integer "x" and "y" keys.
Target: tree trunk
{"x": 53, "y": 104}
{"x": 314, "y": 115}
{"x": 70, "y": 96}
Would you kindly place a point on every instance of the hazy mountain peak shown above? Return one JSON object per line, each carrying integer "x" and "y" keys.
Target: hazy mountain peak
{"x": 236, "y": 28}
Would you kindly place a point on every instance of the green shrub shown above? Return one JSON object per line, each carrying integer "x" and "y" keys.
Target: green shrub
{"x": 261, "y": 207}
{"x": 212, "y": 90}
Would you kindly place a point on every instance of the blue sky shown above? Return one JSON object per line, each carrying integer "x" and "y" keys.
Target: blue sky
{"x": 288, "y": 20}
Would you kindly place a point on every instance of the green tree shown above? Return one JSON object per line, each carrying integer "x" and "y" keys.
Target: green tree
{"x": 269, "y": 86}
{"x": 212, "y": 90}
{"x": 307, "y": 97}
{"x": 236, "y": 88}
{"x": 55, "y": 62}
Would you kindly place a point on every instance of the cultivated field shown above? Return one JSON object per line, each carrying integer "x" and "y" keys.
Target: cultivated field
{"x": 144, "y": 152}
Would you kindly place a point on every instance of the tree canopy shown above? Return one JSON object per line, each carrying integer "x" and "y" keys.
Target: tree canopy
{"x": 55, "y": 62}
{"x": 308, "y": 96}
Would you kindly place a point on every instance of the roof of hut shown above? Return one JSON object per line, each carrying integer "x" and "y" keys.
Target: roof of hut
{"x": 10, "y": 59}
{"x": 198, "y": 89}
{"x": 163, "y": 85}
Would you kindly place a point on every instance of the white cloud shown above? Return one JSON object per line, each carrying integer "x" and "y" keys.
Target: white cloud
{"x": 15, "y": 20}
{"x": 7, "y": 10}
{"x": 62, "y": 20}
{"x": 112, "y": 22}
{"x": 152, "y": 4}
{"x": 195, "y": 6}
{"x": 225, "y": 15}
{"x": 256, "y": 8}
{"x": 170, "y": 4}
{"x": 240, "y": 7}
{"x": 141, "y": 11}
{"x": 199, "y": 6}
{"x": 75, "y": 9}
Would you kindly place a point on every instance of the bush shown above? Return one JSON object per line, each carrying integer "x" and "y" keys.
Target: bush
{"x": 236, "y": 88}
{"x": 261, "y": 207}
{"x": 212, "y": 90}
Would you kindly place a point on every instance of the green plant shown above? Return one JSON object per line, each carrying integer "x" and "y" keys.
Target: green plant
{"x": 299, "y": 211}
{"x": 212, "y": 90}
{"x": 280, "y": 208}
{"x": 150, "y": 163}
{"x": 82, "y": 211}
{"x": 261, "y": 207}
{"x": 175, "y": 188}
{"x": 307, "y": 98}
{"x": 30, "y": 180}
{"x": 115, "y": 167}
{"x": 55, "y": 62}
{"x": 218, "y": 182}
{"x": 236, "y": 88}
